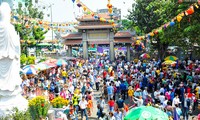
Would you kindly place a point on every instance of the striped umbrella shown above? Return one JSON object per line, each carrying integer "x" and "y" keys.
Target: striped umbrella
{"x": 51, "y": 62}
{"x": 61, "y": 62}
{"x": 42, "y": 66}
{"x": 30, "y": 69}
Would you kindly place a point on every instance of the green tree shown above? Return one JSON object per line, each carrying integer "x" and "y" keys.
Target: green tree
{"x": 150, "y": 15}
{"x": 30, "y": 32}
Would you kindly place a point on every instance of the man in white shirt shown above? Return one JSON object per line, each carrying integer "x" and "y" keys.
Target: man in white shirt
{"x": 156, "y": 94}
{"x": 83, "y": 105}
{"x": 161, "y": 98}
{"x": 144, "y": 93}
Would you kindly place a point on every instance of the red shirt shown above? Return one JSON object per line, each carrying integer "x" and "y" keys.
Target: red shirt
{"x": 104, "y": 74}
{"x": 111, "y": 103}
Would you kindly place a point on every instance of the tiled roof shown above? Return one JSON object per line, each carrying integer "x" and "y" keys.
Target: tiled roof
{"x": 73, "y": 36}
{"x": 73, "y": 42}
{"x": 123, "y": 34}
{"x": 93, "y": 26}
{"x": 123, "y": 40}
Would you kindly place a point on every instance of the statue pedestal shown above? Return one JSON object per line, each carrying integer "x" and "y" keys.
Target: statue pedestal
{"x": 7, "y": 103}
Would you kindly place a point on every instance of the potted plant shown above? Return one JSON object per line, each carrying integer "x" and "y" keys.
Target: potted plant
{"x": 39, "y": 107}
{"x": 58, "y": 103}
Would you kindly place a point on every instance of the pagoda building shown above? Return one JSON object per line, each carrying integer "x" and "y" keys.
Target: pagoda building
{"x": 94, "y": 31}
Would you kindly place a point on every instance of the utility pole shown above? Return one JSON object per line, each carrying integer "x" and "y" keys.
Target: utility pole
{"x": 51, "y": 21}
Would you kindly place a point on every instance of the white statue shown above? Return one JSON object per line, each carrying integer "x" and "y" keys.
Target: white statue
{"x": 10, "y": 90}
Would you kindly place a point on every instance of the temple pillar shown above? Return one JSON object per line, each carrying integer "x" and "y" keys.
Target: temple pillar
{"x": 112, "y": 54}
{"x": 128, "y": 52}
{"x": 70, "y": 51}
{"x": 111, "y": 39}
{"x": 85, "y": 45}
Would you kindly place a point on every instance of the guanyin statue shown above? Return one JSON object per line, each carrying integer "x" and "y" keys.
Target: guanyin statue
{"x": 10, "y": 90}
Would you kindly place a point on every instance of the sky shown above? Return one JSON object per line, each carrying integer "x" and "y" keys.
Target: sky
{"x": 65, "y": 10}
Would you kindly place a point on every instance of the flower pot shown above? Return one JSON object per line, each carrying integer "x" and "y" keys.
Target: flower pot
{"x": 56, "y": 110}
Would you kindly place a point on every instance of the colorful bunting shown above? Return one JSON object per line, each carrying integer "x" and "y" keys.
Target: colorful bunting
{"x": 178, "y": 18}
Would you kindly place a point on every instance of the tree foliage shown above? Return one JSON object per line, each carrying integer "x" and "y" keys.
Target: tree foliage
{"x": 30, "y": 31}
{"x": 150, "y": 15}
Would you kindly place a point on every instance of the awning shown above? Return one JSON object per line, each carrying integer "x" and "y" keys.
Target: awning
{"x": 98, "y": 42}
{"x": 123, "y": 41}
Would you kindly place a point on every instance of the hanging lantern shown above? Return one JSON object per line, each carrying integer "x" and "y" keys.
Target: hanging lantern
{"x": 160, "y": 31}
{"x": 182, "y": 14}
{"x": 96, "y": 17}
{"x": 165, "y": 27}
{"x": 109, "y": 6}
{"x": 180, "y": 1}
{"x": 40, "y": 22}
{"x": 84, "y": 8}
{"x": 196, "y": 5}
{"x": 92, "y": 14}
{"x": 156, "y": 32}
{"x": 79, "y": 5}
{"x": 110, "y": 10}
{"x": 27, "y": 26}
{"x": 190, "y": 11}
{"x": 133, "y": 44}
{"x": 111, "y": 21}
{"x": 88, "y": 12}
{"x": 179, "y": 18}
{"x": 137, "y": 42}
{"x": 73, "y": 1}
{"x": 172, "y": 24}
{"x": 152, "y": 34}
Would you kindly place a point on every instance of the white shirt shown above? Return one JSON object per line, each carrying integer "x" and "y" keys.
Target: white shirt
{"x": 144, "y": 94}
{"x": 156, "y": 94}
{"x": 83, "y": 104}
{"x": 117, "y": 83}
{"x": 161, "y": 98}
{"x": 175, "y": 101}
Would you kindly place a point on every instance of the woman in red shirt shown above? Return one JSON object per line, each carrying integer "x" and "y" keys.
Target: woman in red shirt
{"x": 111, "y": 104}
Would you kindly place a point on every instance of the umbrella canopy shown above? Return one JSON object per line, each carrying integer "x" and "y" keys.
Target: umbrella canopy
{"x": 42, "y": 66}
{"x": 21, "y": 72}
{"x": 51, "y": 62}
{"x": 61, "y": 62}
{"x": 173, "y": 58}
{"x": 145, "y": 56}
{"x": 169, "y": 62}
{"x": 29, "y": 69}
{"x": 146, "y": 113}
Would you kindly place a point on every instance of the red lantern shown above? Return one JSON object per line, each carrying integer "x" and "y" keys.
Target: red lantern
{"x": 92, "y": 14}
{"x": 109, "y": 5}
{"x": 40, "y": 22}
{"x": 156, "y": 32}
{"x": 190, "y": 11}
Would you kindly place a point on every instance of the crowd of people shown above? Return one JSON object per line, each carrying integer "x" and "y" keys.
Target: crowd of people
{"x": 122, "y": 85}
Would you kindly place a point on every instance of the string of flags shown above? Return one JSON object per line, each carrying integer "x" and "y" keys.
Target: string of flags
{"x": 175, "y": 20}
{"x": 95, "y": 15}
{"x": 46, "y": 25}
